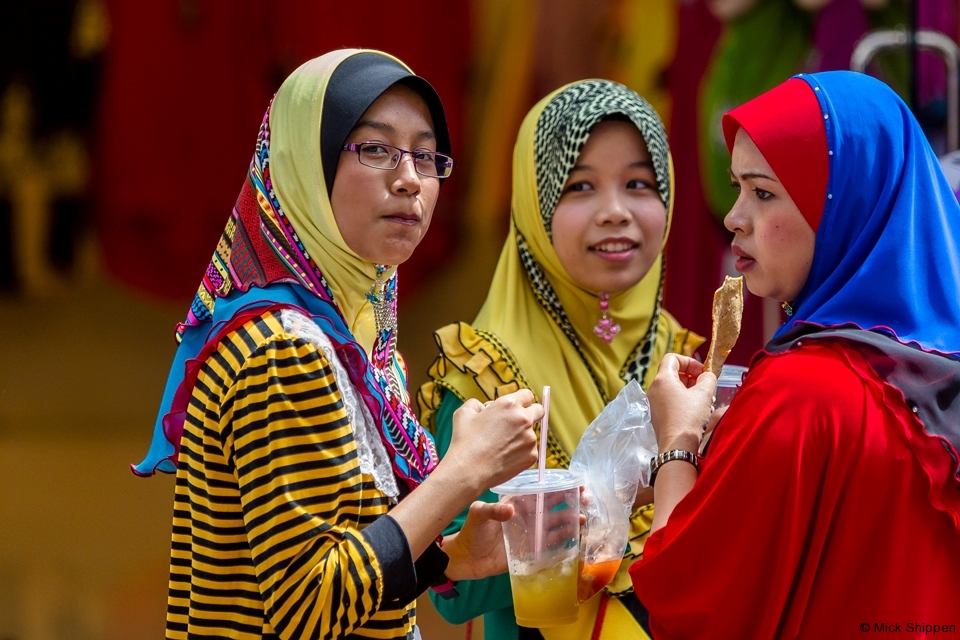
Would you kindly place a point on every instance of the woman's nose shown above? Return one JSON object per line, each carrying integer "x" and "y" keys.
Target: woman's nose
{"x": 613, "y": 210}
{"x": 736, "y": 220}
{"x": 406, "y": 179}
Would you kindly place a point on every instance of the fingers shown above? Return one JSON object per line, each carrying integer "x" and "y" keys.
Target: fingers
{"x": 534, "y": 413}
{"x": 553, "y": 502}
{"x": 562, "y": 537}
{"x": 560, "y": 528}
{"x": 706, "y": 380}
{"x": 498, "y": 511}
{"x": 472, "y": 405}
{"x": 524, "y": 397}
{"x": 677, "y": 364}
{"x": 690, "y": 366}
{"x": 522, "y": 401}
{"x": 715, "y": 419}
{"x": 705, "y": 386}
{"x": 674, "y": 365}
{"x": 670, "y": 372}
{"x": 670, "y": 363}
{"x": 528, "y": 415}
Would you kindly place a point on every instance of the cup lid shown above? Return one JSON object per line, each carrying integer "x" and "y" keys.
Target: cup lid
{"x": 526, "y": 482}
{"x": 731, "y": 375}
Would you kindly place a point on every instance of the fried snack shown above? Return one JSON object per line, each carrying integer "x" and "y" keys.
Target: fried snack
{"x": 727, "y": 313}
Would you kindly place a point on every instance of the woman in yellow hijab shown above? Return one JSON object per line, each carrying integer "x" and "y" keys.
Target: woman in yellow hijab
{"x": 309, "y": 500}
{"x": 574, "y": 304}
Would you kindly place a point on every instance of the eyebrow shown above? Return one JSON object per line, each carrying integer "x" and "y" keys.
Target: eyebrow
{"x": 639, "y": 164}
{"x": 750, "y": 175}
{"x": 389, "y": 128}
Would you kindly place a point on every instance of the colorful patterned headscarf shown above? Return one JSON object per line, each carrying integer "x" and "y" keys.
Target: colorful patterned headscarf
{"x": 282, "y": 249}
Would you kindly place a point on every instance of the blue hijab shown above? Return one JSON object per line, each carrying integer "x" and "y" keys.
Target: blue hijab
{"x": 887, "y": 254}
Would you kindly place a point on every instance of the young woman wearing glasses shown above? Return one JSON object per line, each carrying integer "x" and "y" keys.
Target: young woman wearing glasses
{"x": 309, "y": 501}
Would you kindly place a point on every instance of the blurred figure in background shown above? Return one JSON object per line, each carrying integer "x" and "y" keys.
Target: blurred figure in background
{"x": 50, "y": 62}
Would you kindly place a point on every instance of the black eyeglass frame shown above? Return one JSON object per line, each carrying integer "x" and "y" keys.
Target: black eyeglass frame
{"x": 440, "y": 159}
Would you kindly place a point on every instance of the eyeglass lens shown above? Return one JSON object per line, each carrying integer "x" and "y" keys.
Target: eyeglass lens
{"x": 427, "y": 163}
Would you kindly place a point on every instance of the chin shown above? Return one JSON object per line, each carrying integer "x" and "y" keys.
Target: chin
{"x": 392, "y": 250}
{"x": 612, "y": 287}
{"x": 761, "y": 290}
{"x": 394, "y": 255}
{"x": 754, "y": 290}
{"x": 398, "y": 260}
{"x": 619, "y": 282}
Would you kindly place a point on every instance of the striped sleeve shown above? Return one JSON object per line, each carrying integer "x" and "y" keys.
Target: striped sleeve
{"x": 285, "y": 431}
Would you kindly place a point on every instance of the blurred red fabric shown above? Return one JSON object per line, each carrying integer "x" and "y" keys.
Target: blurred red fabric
{"x": 185, "y": 87}
{"x": 697, "y": 243}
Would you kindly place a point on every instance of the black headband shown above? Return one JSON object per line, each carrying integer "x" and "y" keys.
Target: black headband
{"x": 355, "y": 84}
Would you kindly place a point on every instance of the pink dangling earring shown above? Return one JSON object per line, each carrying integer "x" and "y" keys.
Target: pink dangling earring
{"x": 606, "y": 328}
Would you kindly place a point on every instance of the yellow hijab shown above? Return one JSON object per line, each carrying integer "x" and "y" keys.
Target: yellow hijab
{"x": 536, "y": 326}
{"x": 296, "y": 169}
{"x": 534, "y": 308}
{"x": 283, "y": 232}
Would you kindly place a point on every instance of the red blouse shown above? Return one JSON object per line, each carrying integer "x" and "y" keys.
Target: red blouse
{"x": 811, "y": 515}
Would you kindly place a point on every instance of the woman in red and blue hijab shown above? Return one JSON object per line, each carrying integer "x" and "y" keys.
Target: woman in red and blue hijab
{"x": 840, "y": 452}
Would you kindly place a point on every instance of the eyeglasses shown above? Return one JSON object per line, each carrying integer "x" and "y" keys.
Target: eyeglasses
{"x": 383, "y": 156}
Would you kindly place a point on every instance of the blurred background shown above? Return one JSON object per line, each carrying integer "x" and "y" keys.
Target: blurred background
{"x": 125, "y": 132}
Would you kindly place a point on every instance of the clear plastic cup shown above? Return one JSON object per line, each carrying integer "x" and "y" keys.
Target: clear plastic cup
{"x": 728, "y": 383}
{"x": 544, "y": 585}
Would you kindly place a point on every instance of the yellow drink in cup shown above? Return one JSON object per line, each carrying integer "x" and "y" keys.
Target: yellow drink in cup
{"x": 542, "y": 540}
{"x": 547, "y": 598}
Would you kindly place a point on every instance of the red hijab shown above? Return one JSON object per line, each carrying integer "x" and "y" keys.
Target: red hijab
{"x": 786, "y": 124}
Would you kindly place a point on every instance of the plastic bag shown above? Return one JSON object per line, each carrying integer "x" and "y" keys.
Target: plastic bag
{"x": 613, "y": 457}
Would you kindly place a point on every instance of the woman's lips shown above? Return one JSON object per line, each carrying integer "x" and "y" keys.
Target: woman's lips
{"x": 615, "y": 249}
{"x": 408, "y": 219}
{"x": 745, "y": 261}
{"x": 744, "y": 264}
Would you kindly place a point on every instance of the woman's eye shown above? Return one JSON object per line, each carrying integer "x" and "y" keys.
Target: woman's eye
{"x": 638, "y": 184}
{"x": 577, "y": 186}
{"x": 762, "y": 195}
{"x": 735, "y": 186}
{"x": 373, "y": 150}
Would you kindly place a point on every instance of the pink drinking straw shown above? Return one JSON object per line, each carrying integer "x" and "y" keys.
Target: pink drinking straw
{"x": 541, "y": 463}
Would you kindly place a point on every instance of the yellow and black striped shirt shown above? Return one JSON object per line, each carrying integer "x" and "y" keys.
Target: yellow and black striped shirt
{"x": 276, "y": 532}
